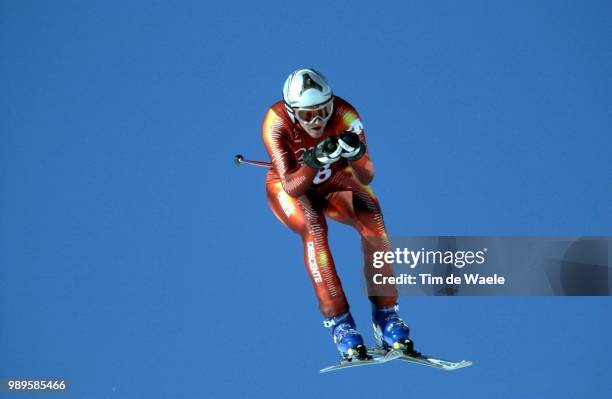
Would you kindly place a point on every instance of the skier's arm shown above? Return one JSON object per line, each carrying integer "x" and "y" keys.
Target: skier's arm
{"x": 354, "y": 138}
{"x": 295, "y": 178}
{"x": 355, "y": 151}
{"x": 363, "y": 168}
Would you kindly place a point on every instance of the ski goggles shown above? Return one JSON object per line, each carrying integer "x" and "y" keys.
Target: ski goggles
{"x": 309, "y": 115}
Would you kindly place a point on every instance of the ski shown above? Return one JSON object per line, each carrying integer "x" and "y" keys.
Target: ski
{"x": 379, "y": 356}
{"x": 424, "y": 360}
{"x": 375, "y": 358}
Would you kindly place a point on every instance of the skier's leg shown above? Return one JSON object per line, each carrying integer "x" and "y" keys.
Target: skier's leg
{"x": 357, "y": 206}
{"x": 360, "y": 208}
{"x": 302, "y": 215}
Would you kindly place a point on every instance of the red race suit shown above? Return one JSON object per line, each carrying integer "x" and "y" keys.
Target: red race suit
{"x": 301, "y": 197}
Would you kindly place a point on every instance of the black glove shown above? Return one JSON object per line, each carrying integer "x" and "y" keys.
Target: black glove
{"x": 326, "y": 152}
{"x": 352, "y": 147}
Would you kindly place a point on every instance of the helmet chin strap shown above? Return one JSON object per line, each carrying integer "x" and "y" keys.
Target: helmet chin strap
{"x": 290, "y": 112}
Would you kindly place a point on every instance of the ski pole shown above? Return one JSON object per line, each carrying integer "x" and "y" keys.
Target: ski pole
{"x": 239, "y": 159}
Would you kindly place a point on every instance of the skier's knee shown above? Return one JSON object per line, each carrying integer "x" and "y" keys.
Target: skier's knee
{"x": 315, "y": 227}
{"x": 333, "y": 308}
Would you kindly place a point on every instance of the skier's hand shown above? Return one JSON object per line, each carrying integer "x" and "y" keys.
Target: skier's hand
{"x": 326, "y": 152}
{"x": 352, "y": 147}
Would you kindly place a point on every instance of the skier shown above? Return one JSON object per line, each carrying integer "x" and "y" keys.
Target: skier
{"x": 321, "y": 168}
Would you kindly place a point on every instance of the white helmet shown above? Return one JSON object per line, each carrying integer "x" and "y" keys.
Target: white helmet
{"x": 305, "y": 88}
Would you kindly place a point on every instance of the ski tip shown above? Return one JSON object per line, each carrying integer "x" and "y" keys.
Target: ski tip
{"x": 238, "y": 159}
{"x": 458, "y": 365}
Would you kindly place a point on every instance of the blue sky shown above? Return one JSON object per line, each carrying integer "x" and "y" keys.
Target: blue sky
{"x": 137, "y": 260}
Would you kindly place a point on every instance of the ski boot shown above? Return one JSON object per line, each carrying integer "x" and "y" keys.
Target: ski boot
{"x": 346, "y": 337}
{"x": 390, "y": 331}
